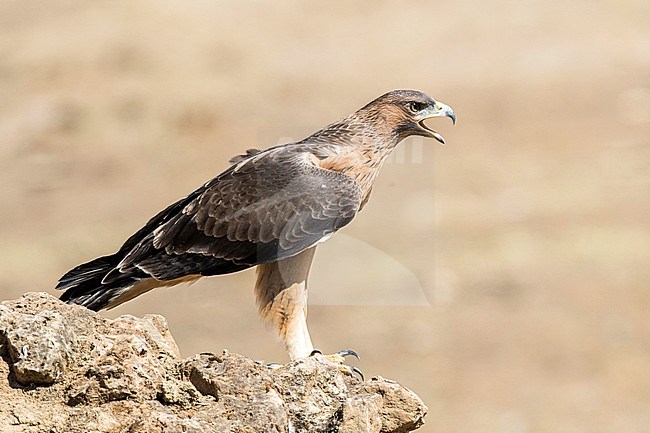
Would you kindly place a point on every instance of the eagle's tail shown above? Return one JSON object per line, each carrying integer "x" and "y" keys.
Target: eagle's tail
{"x": 84, "y": 284}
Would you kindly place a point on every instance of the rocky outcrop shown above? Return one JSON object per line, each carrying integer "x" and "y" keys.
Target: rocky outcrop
{"x": 67, "y": 369}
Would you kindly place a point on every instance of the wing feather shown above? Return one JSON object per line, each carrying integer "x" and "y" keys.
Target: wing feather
{"x": 269, "y": 206}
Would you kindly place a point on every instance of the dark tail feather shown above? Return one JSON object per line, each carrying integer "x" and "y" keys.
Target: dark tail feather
{"x": 91, "y": 271}
{"x": 83, "y": 284}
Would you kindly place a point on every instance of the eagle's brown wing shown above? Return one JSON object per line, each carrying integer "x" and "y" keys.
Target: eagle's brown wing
{"x": 268, "y": 207}
{"x": 238, "y": 158}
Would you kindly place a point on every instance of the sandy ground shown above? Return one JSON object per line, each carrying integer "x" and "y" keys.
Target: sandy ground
{"x": 503, "y": 277}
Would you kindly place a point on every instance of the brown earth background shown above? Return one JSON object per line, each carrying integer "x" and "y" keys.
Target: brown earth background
{"x": 504, "y": 277}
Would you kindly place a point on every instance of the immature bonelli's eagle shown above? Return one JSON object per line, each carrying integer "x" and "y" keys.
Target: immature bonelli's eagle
{"x": 269, "y": 209}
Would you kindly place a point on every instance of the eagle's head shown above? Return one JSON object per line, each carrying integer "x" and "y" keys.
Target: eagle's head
{"x": 404, "y": 112}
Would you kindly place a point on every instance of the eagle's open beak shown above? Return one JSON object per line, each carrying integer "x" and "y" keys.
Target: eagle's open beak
{"x": 437, "y": 110}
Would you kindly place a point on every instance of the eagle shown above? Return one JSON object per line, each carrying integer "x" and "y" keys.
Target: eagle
{"x": 269, "y": 209}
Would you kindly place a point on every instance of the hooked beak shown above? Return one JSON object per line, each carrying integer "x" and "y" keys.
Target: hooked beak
{"x": 437, "y": 110}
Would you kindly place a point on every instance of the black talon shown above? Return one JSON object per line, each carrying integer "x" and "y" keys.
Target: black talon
{"x": 315, "y": 352}
{"x": 348, "y": 352}
{"x": 356, "y": 370}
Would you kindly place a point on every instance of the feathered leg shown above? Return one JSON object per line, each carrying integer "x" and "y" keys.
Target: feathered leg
{"x": 281, "y": 291}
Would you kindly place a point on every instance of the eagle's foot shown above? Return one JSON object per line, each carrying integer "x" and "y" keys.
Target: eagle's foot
{"x": 339, "y": 359}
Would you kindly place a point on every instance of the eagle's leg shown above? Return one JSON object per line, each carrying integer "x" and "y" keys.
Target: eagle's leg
{"x": 281, "y": 291}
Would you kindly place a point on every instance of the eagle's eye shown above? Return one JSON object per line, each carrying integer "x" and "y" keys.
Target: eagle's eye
{"x": 416, "y": 106}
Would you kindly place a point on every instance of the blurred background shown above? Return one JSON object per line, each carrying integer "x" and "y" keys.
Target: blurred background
{"x": 504, "y": 277}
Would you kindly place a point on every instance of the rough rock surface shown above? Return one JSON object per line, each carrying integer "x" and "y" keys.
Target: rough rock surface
{"x": 64, "y": 368}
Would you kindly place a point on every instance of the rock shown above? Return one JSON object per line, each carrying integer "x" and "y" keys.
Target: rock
{"x": 179, "y": 393}
{"x": 67, "y": 369}
{"x": 362, "y": 413}
{"x": 38, "y": 344}
{"x": 401, "y": 410}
